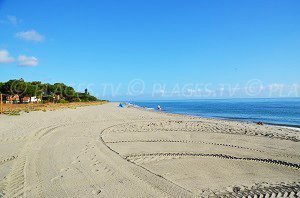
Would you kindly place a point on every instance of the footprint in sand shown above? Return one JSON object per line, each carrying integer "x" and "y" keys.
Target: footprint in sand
{"x": 64, "y": 169}
{"x": 96, "y": 192}
{"x": 75, "y": 162}
{"x": 56, "y": 178}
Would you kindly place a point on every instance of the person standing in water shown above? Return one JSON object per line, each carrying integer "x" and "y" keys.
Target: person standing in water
{"x": 158, "y": 107}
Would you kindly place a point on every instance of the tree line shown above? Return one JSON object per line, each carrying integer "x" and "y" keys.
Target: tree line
{"x": 45, "y": 91}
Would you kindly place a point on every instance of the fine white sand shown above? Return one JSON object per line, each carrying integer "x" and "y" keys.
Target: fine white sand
{"x": 107, "y": 151}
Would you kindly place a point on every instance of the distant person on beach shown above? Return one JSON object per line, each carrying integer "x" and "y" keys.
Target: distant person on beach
{"x": 158, "y": 107}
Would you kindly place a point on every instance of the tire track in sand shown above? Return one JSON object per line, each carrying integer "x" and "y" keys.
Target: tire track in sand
{"x": 7, "y": 159}
{"x": 197, "y": 126}
{"x": 16, "y": 180}
{"x": 149, "y": 126}
{"x": 157, "y": 156}
{"x": 157, "y": 182}
{"x": 279, "y": 190}
{"x": 183, "y": 141}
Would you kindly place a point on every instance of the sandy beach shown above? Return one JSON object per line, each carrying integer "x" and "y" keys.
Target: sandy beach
{"x": 107, "y": 151}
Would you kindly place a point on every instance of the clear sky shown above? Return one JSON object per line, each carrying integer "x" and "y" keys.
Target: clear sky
{"x": 137, "y": 49}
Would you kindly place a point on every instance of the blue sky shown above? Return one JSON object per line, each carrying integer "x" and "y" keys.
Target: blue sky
{"x": 146, "y": 49}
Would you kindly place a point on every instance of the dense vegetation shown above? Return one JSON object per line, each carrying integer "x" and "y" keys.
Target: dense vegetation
{"x": 49, "y": 92}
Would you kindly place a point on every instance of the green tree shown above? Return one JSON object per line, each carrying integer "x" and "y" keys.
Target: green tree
{"x": 1, "y": 87}
{"x": 13, "y": 87}
{"x": 36, "y": 88}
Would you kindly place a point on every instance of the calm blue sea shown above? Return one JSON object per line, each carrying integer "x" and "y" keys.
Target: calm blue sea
{"x": 285, "y": 112}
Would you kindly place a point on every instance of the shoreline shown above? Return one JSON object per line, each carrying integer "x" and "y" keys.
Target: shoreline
{"x": 279, "y": 125}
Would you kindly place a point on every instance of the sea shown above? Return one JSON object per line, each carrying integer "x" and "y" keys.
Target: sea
{"x": 276, "y": 111}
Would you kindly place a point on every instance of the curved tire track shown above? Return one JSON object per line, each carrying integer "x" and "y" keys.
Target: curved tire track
{"x": 184, "y": 141}
{"x": 145, "y": 126}
{"x": 7, "y": 159}
{"x": 169, "y": 188}
{"x": 16, "y": 179}
{"x": 223, "y": 156}
{"x": 195, "y": 126}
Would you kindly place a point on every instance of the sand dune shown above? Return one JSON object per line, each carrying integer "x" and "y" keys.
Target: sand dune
{"x": 106, "y": 151}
